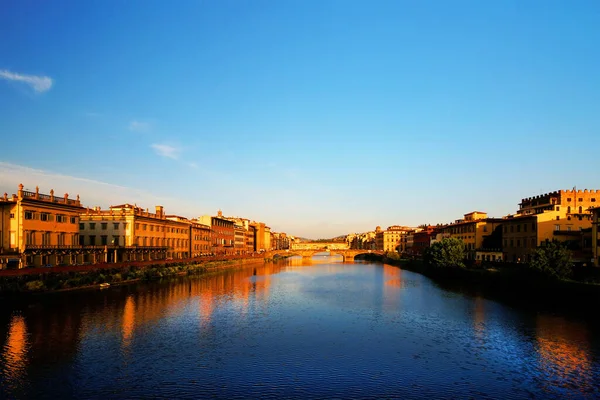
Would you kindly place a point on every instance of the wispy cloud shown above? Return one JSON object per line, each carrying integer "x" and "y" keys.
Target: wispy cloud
{"x": 139, "y": 126}
{"x": 164, "y": 150}
{"x": 193, "y": 165}
{"x": 92, "y": 192}
{"x": 38, "y": 83}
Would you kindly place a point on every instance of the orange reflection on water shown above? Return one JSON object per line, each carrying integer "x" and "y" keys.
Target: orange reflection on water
{"x": 15, "y": 350}
{"x": 128, "y": 320}
{"x": 564, "y": 350}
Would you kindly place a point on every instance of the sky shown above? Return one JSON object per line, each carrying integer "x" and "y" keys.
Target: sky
{"x": 319, "y": 118}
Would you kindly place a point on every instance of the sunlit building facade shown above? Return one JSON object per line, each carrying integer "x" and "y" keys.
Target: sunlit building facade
{"x": 561, "y": 215}
{"x": 38, "y": 229}
{"x": 477, "y": 232}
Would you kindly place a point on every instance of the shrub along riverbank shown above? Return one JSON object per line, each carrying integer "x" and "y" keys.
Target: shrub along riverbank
{"x": 514, "y": 284}
{"x": 52, "y": 281}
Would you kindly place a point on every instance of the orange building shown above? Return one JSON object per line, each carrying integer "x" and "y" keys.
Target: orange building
{"x": 477, "y": 232}
{"x": 200, "y": 239}
{"x": 38, "y": 229}
{"x": 560, "y": 215}
{"x": 129, "y": 233}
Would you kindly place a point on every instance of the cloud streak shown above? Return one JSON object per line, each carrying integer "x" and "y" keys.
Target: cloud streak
{"x": 139, "y": 126}
{"x": 93, "y": 192}
{"x": 38, "y": 83}
{"x": 164, "y": 150}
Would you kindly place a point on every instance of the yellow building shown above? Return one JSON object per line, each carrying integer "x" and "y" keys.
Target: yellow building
{"x": 130, "y": 233}
{"x": 560, "y": 215}
{"x": 596, "y": 235}
{"x": 476, "y": 231}
{"x": 38, "y": 229}
{"x": 392, "y": 237}
{"x": 200, "y": 239}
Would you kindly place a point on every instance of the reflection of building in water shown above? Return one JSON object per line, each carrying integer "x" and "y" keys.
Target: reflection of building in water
{"x": 128, "y": 320}
{"x": 564, "y": 350}
{"x": 14, "y": 353}
{"x": 479, "y": 318}
{"x": 392, "y": 277}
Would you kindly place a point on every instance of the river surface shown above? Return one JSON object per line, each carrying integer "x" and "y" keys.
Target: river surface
{"x": 319, "y": 330}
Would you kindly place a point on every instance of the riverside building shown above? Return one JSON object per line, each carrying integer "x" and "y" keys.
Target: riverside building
{"x": 562, "y": 215}
{"x": 129, "y": 233}
{"x": 38, "y": 229}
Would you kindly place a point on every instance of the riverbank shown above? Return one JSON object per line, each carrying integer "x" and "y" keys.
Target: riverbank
{"x": 54, "y": 280}
{"x": 516, "y": 286}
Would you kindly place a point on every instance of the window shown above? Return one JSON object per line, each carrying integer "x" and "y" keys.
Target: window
{"x": 29, "y": 237}
{"x": 45, "y": 217}
{"x": 92, "y": 226}
{"x": 569, "y": 199}
{"x": 558, "y": 217}
{"x": 61, "y": 239}
{"x": 115, "y": 225}
{"x": 580, "y": 199}
{"x": 485, "y": 228}
{"x": 115, "y": 240}
{"x": 28, "y": 215}
{"x": 92, "y": 240}
{"x": 511, "y": 229}
{"x": 103, "y": 240}
{"x": 144, "y": 226}
{"x": 511, "y": 243}
{"x": 532, "y": 242}
{"x": 568, "y": 217}
{"x": 518, "y": 243}
{"x": 82, "y": 240}
{"x": 104, "y": 225}
{"x": 593, "y": 200}
{"x": 151, "y": 228}
{"x": 519, "y": 228}
{"x": 568, "y": 229}
{"x": 524, "y": 227}
{"x": 580, "y": 209}
{"x": 137, "y": 227}
{"x": 73, "y": 220}
{"x": 81, "y": 226}
{"x": 61, "y": 218}
{"x": 12, "y": 215}
{"x": 46, "y": 238}
{"x": 557, "y": 227}
{"x": 533, "y": 227}
{"x": 557, "y": 208}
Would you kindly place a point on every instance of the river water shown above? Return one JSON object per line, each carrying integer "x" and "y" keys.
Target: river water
{"x": 319, "y": 330}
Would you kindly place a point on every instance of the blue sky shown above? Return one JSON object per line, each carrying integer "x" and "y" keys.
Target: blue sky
{"x": 319, "y": 118}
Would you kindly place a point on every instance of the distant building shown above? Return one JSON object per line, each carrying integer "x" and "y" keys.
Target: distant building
{"x": 222, "y": 233}
{"x": 477, "y": 232}
{"x": 422, "y": 239}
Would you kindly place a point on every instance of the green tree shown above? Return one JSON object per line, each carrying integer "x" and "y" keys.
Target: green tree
{"x": 552, "y": 259}
{"x": 447, "y": 253}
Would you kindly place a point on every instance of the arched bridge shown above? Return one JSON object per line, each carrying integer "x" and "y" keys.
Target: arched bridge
{"x": 309, "y": 249}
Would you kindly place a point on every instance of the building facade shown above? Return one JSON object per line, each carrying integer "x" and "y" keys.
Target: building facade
{"x": 222, "y": 233}
{"x": 130, "y": 233}
{"x": 200, "y": 242}
{"x": 477, "y": 232}
{"x": 560, "y": 215}
{"x": 39, "y": 229}
{"x": 596, "y": 235}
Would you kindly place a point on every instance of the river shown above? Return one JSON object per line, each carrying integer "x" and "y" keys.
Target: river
{"x": 322, "y": 329}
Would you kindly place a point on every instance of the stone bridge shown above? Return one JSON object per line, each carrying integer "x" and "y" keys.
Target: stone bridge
{"x": 309, "y": 249}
